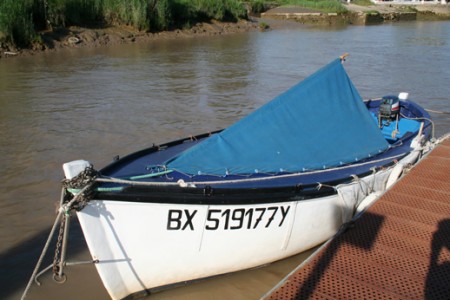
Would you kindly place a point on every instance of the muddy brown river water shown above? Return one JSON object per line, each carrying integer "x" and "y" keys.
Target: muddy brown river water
{"x": 98, "y": 103}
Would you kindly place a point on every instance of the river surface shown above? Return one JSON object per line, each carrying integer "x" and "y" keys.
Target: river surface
{"x": 98, "y": 103}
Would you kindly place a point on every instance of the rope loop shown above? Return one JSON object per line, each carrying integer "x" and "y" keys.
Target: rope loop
{"x": 355, "y": 178}
{"x": 321, "y": 185}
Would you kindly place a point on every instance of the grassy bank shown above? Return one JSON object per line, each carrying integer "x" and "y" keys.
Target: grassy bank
{"x": 20, "y": 20}
{"x": 321, "y": 5}
{"x": 16, "y": 21}
{"x": 336, "y": 6}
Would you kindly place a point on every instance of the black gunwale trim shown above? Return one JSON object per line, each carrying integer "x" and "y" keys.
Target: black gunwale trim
{"x": 227, "y": 196}
{"x": 211, "y": 196}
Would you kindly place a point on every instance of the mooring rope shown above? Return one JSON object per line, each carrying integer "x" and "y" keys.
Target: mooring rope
{"x": 63, "y": 209}
{"x": 422, "y": 118}
{"x": 443, "y": 138}
{"x": 44, "y": 251}
{"x": 438, "y": 111}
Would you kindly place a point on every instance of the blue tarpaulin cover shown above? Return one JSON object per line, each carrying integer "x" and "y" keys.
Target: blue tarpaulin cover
{"x": 319, "y": 123}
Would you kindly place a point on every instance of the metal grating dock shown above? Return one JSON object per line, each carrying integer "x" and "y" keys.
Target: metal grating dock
{"x": 399, "y": 248}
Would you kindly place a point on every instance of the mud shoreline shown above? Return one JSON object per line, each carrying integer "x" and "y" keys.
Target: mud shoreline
{"x": 78, "y": 37}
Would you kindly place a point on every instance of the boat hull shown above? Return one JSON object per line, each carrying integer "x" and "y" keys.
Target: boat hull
{"x": 142, "y": 246}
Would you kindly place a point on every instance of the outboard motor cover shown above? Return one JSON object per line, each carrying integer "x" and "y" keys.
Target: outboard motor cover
{"x": 389, "y": 108}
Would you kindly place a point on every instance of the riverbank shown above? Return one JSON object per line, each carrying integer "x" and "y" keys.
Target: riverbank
{"x": 362, "y": 14}
{"x": 77, "y": 37}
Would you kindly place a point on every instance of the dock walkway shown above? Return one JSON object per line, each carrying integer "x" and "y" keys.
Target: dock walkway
{"x": 398, "y": 249}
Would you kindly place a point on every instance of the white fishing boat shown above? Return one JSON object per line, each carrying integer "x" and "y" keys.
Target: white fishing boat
{"x": 278, "y": 182}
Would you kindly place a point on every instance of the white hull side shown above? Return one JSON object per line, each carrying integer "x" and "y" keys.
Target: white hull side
{"x": 139, "y": 248}
{"x": 146, "y": 245}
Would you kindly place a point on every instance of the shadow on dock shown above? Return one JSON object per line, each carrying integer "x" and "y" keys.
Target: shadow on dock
{"x": 438, "y": 280}
{"x": 309, "y": 285}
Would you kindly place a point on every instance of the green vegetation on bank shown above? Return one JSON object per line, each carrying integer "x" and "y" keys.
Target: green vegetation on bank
{"x": 19, "y": 20}
{"x": 326, "y": 6}
{"x": 16, "y": 21}
{"x": 321, "y": 5}
{"x": 362, "y": 2}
